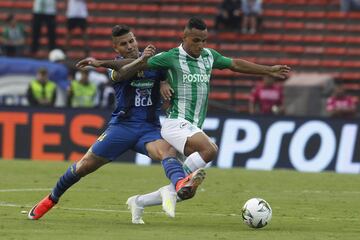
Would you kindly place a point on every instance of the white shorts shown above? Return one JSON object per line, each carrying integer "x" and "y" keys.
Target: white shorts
{"x": 177, "y": 131}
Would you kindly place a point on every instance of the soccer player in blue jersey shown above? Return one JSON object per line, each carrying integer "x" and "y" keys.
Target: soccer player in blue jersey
{"x": 134, "y": 125}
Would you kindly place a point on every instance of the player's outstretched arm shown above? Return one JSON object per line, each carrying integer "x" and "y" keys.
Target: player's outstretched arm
{"x": 243, "y": 66}
{"x": 112, "y": 64}
{"x": 123, "y": 68}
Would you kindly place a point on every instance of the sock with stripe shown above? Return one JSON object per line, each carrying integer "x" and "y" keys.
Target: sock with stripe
{"x": 193, "y": 162}
{"x": 173, "y": 169}
{"x": 64, "y": 183}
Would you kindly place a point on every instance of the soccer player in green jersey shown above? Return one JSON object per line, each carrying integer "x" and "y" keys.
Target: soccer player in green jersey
{"x": 189, "y": 69}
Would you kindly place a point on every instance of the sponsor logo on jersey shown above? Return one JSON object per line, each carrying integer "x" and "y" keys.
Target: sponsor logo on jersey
{"x": 196, "y": 77}
{"x": 143, "y": 97}
{"x": 145, "y": 83}
{"x": 206, "y": 63}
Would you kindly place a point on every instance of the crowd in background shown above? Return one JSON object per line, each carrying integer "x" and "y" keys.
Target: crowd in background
{"x": 89, "y": 88}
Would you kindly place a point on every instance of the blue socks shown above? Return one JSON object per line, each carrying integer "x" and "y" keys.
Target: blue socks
{"x": 173, "y": 169}
{"x": 66, "y": 181}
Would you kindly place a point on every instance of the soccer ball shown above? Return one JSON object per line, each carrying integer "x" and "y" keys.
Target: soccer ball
{"x": 256, "y": 213}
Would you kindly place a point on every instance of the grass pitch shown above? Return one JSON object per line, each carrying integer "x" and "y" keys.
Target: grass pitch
{"x": 305, "y": 206}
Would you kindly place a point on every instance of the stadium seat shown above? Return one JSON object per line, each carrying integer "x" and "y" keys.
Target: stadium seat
{"x": 272, "y": 37}
{"x": 292, "y": 38}
{"x": 314, "y": 26}
{"x": 271, "y": 48}
{"x": 331, "y": 63}
{"x": 295, "y": 14}
{"x": 314, "y": 50}
{"x": 316, "y": 14}
{"x": 313, "y": 38}
{"x": 293, "y": 49}
{"x": 273, "y": 13}
{"x": 352, "y": 27}
{"x": 220, "y": 95}
{"x": 273, "y": 25}
{"x": 353, "y": 51}
{"x": 334, "y": 39}
{"x": 242, "y": 96}
{"x": 335, "y": 27}
{"x": 309, "y": 62}
{"x": 335, "y": 51}
{"x": 294, "y": 25}
{"x": 351, "y": 64}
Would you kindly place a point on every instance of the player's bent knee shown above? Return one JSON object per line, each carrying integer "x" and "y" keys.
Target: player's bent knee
{"x": 89, "y": 163}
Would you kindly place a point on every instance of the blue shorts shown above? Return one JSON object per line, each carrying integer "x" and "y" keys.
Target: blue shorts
{"x": 120, "y": 137}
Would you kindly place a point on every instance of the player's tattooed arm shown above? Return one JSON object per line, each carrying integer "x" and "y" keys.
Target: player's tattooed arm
{"x": 124, "y": 69}
{"x": 129, "y": 70}
{"x": 243, "y": 66}
{"x": 112, "y": 64}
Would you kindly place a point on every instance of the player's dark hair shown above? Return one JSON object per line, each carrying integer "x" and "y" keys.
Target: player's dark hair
{"x": 196, "y": 23}
{"x": 120, "y": 30}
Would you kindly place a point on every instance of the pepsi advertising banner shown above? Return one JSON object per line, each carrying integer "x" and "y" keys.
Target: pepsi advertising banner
{"x": 252, "y": 142}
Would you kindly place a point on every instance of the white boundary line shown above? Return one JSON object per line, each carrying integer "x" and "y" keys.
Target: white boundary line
{"x": 25, "y": 190}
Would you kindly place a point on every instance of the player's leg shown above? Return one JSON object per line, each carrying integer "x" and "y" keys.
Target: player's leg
{"x": 200, "y": 150}
{"x": 89, "y": 163}
{"x": 190, "y": 141}
{"x": 158, "y": 149}
{"x": 166, "y": 195}
{"x": 108, "y": 147}
{"x": 155, "y": 147}
{"x": 152, "y": 145}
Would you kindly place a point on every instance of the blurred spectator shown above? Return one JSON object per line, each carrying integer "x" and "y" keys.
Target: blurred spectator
{"x": 251, "y": 10}
{"x": 229, "y": 14}
{"x": 77, "y": 13}
{"x": 267, "y": 98}
{"x": 44, "y": 12}
{"x": 13, "y": 37}
{"x": 106, "y": 95}
{"x": 41, "y": 91}
{"x": 82, "y": 93}
{"x": 340, "y": 104}
{"x": 349, "y": 5}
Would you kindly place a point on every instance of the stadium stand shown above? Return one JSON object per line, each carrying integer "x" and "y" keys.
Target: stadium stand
{"x": 310, "y": 36}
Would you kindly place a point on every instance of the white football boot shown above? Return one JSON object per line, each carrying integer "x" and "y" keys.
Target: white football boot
{"x": 136, "y": 210}
{"x": 169, "y": 198}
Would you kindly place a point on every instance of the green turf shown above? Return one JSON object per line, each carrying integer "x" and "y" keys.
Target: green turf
{"x": 305, "y": 206}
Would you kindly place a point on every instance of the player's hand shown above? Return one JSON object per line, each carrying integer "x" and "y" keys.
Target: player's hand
{"x": 149, "y": 51}
{"x": 165, "y": 90}
{"x": 279, "y": 71}
{"x": 88, "y": 62}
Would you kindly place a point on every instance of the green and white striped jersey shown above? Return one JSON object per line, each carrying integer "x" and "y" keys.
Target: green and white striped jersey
{"x": 189, "y": 77}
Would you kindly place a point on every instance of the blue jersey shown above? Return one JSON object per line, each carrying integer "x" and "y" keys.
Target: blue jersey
{"x": 135, "y": 121}
{"x": 138, "y": 99}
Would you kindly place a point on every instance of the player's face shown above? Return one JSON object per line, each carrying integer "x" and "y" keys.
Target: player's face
{"x": 194, "y": 41}
{"x": 126, "y": 45}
